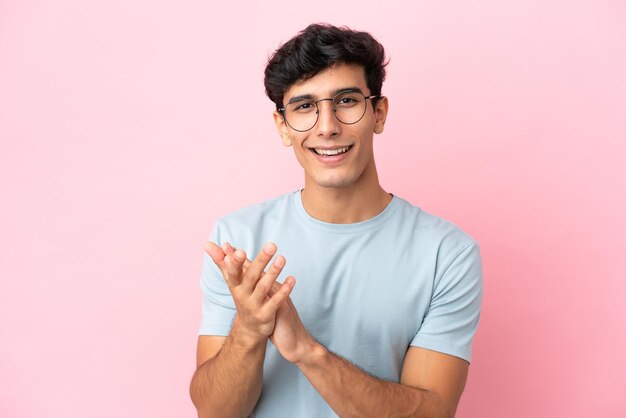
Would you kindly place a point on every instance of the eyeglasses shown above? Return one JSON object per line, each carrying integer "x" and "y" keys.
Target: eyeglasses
{"x": 348, "y": 107}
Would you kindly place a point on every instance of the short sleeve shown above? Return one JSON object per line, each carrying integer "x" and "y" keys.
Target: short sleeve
{"x": 218, "y": 307}
{"x": 452, "y": 318}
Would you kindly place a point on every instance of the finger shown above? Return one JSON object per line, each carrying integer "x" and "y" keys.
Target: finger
{"x": 246, "y": 264}
{"x": 222, "y": 260}
{"x": 256, "y": 268}
{"x": 234, "y": 264}
{"x": 281, "y": 294}
{"x": 227, "y": 248}
{"x": 275, "y": 288}
{"x": 266, "y": 282}
{"x": 216, "y": 254}
{"x": 230, "y": 250}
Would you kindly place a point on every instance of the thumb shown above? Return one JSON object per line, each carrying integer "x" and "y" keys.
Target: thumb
{"x": 215, "y": 252}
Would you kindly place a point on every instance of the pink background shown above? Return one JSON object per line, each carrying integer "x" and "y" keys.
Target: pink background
{"x": 127, "y": 127}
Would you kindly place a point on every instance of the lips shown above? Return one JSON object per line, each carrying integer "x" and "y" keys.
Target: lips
{"x": 330, "y": 151}
{"x": 330, "y": 155}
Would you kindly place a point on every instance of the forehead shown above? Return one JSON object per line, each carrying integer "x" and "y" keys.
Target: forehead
{"x": 329, "y": 80}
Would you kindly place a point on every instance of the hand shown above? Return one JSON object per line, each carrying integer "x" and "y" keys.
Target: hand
{"x": 256, "y": 306}
{"x": 290, "y": 336}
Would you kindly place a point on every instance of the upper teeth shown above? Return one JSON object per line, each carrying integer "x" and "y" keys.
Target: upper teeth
{"x": 331, "y": 151}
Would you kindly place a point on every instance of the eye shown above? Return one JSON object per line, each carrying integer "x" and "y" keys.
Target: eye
{"x": 346, "y": 101}
{"x": 303, "y": 107}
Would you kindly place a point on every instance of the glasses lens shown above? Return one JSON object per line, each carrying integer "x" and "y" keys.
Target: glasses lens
{"x": 349, "y": 107}
{"x": 301, "y": 115}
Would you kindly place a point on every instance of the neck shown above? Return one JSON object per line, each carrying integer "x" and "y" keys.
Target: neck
{"x": 358, "y": 202}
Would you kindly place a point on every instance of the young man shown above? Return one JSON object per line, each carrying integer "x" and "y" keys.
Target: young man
{"x": 379, "y": 300}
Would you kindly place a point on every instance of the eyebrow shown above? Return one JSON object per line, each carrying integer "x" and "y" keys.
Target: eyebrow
{"x": 332, "y": 94}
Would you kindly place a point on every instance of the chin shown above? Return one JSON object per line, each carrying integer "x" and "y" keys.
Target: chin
{"x": 335, "y": 182}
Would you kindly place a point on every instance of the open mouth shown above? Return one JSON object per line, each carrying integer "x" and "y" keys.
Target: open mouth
{"x": 331, "y": 152}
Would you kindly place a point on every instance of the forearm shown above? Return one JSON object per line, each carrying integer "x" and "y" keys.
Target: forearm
{"x": 350, "y": 392}
{"x": 229, "y": 384}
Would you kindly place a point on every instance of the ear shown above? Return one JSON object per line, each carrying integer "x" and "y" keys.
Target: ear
{"x": 380, "y": 114}
{"x": 283, "y": 129}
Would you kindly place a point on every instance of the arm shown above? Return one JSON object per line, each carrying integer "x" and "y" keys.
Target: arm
{"x": 431, "y": 382}
{"x": 354, "y": 393}
{"x": 228, "y": 380}
{"x": 236, "y": 368}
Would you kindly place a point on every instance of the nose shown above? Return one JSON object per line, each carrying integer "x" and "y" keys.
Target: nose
{"x": 327, "y": 124}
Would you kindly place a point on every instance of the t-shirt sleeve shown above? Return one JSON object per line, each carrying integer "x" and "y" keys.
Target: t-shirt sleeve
{"x": 218, "y": 307}
{"x": 452, "y": 318}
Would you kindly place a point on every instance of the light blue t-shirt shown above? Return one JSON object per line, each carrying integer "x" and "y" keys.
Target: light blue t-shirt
{"x": 366, "y": 291}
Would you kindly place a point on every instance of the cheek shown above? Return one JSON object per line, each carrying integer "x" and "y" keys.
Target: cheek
{"x": 300, "y": 155}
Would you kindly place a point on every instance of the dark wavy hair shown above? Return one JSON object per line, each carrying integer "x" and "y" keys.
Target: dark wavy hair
{"x": 318, "y": 47}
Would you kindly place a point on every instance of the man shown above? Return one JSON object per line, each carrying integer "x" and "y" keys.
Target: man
{"x": 377, "y": 313}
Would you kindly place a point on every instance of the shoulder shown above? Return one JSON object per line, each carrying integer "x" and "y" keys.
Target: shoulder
{"x": 439, "y": 234}
{"x": 455, "y": 253}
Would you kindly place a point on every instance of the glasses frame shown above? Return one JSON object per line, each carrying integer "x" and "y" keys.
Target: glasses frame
{"x": 282, "y": 110}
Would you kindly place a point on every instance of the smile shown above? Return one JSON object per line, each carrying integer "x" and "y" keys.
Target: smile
{"x": 331, "y": 152}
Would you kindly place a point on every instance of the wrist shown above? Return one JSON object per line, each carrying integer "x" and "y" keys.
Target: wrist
{"x": 245, "y": 338}
{"x": 313, "y": 355}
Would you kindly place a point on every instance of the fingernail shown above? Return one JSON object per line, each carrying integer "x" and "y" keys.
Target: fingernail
{"x": 279, "y": 262}
{"x": 239, "y": 255}
{"x": 269, "y": 248}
